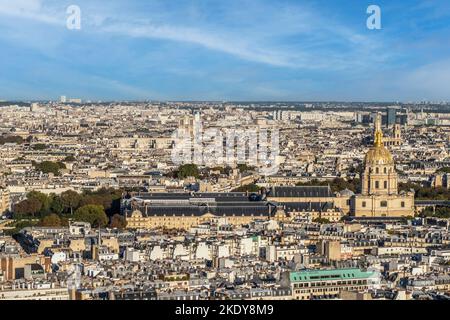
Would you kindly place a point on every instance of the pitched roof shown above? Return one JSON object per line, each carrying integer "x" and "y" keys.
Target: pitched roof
{"x": 301, "y": 192}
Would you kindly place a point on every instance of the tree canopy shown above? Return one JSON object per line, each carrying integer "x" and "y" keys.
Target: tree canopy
{"x": 39, "y": 146}
{"x": 321, "y": 220}
{"x": 49, "y": 167}
{"x": 439, "y": 212}
{"x": 188, "y": 170}
{"x": 336, "y": 185}
{"x": 27, "y": 207}
{"x": 41, "y": 205}
{"x": 93, "y": 214}
{"x": 118, "y": 221}
{"x": 70, "y": 159}
{"x": 444, "y": 170}
{"x": 426, "y": 193}
{"x": 52, "y": 220}
{"x": 11, "y": 139}
{"x": 248, "y": 188}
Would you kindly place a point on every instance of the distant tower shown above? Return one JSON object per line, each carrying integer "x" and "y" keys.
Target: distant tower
{"x": 63, "y": 99}
{"x": 397, "y": 131}
{"x": 391, "y": 116}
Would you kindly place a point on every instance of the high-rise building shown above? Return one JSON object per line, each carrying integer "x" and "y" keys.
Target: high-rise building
{"x": 63, "y": 99}
{"x": 391, "y": 116}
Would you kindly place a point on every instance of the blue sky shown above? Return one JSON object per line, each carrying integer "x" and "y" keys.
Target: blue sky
{"x": 225, "y": 50}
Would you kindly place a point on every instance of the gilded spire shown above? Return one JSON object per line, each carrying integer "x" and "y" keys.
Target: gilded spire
{"x": 378, "y": 132}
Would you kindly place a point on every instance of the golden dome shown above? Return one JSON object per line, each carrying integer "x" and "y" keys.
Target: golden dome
{"x": 378, "y": 155}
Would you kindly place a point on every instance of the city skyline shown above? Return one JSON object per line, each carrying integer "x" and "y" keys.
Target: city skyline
{"x": 155, "y": 201}
{"x": 233, "y": 51}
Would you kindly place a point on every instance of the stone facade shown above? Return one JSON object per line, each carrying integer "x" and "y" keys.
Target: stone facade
{"x": 380, "y": 196}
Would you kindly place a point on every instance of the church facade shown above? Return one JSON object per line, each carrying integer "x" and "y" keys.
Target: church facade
{"x": 380, "y": 196}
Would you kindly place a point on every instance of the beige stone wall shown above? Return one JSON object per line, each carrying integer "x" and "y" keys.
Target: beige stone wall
{"x": 371, "y": 206}
{"x": 343, "y": 203}
{"x": 333, "y": 216}
{"x": 45, "y": 243}
{"x": 304, "y": 291}
{"x": 4, "y": 200}
{"x": 111, "y": 243}
{"x": 380, "y": 179}
{"x": 9, "y": 264}
{"x": 77, "y": 245}
{"x": 183, "y": 222}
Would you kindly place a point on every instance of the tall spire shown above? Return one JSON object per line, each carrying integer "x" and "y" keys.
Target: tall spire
{"x": 378, "y": 132}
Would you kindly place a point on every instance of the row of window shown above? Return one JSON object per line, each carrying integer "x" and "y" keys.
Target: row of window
{"x": 377, "y": 184}
{"x": 334, "y": 283}
{"x": 383, "y": 204}
{"x": 385, "y": 171}
{"x": 329, "y": 289}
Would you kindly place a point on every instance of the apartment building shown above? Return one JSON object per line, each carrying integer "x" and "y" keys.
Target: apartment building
{"x": 327, "y": 284}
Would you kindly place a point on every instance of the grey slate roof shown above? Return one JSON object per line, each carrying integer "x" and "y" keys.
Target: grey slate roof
{"x": 301, "y": 192}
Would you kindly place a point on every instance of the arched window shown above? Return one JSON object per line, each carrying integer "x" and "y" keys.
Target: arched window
{"x": 385, "y": 170}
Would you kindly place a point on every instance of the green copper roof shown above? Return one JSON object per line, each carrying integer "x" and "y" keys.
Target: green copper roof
{"x": 323, "y": 275}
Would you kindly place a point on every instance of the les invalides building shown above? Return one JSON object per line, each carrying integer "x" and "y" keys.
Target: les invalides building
{"x": 380, "y": 196}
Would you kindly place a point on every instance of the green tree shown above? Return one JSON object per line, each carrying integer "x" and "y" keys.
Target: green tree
{"x": 39, "y": 146}
{"x": 321, "y": 220}
{"x": 43, "y": 199}
{"x": 49, "y": 167}
{"x": 11, "y": 139}
{"x": 52, "y": 220}
{"x": 244, "y": 167}
{"x": 426, "y": 193}
{"x": 70, "y": 200}
{"x": 56, "y": 205}
{"x": 93, "y": 214}
{"x": 70, "y": 159}
{"x": 438, "y": 212}
{"x": 108, "y": 198}
{"x": 28, "y": 207}
{"x": 188, "y": 170}
{"x": 118, "y": 221}
{"x": 248, "y": 188}
{"x": 336, "y": 185}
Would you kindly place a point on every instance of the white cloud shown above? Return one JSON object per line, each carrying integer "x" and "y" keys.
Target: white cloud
{"x": 30, "y": 9}
{"x": 261, "y": 40}
{"x": 225, "y": 44}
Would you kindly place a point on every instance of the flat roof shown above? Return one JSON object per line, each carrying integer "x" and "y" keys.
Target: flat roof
{"x": 334, "y": 274}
